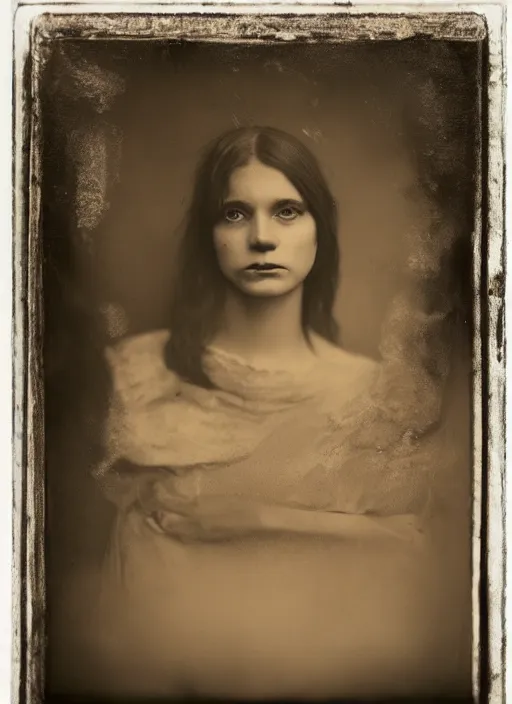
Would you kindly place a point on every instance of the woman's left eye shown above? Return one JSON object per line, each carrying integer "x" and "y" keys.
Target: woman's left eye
{"x": 288, "y": 213}
{"x": 233, "y": 215}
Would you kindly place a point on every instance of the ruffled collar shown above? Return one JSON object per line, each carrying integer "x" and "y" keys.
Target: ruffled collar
{"x": 231, "y": 373}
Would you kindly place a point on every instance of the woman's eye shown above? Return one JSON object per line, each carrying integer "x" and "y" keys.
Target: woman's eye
{"x": 288, "y": 213}
{"x": 233, "y": 215}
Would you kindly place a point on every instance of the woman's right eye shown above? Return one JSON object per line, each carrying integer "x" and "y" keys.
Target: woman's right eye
{"x": 234, "y": 215}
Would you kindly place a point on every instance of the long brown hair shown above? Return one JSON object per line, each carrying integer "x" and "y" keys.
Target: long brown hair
{"x": 200, "y": 286}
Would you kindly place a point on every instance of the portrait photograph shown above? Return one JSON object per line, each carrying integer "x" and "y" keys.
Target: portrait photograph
{"x": 259, "y": 355}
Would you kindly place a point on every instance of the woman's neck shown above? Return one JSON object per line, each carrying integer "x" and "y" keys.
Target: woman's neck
{"x": 263, "y": 329}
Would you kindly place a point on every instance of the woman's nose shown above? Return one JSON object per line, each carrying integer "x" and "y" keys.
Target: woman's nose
{"x": 262, "y": 235}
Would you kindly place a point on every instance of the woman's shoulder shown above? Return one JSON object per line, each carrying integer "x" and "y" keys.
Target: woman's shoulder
{"x": 346, "y": 376}
{"x": 148, "y": 344}
{"x": 352, "y": 363}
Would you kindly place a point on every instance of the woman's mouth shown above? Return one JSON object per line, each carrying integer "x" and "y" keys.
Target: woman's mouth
{"x": 265, "y": 266}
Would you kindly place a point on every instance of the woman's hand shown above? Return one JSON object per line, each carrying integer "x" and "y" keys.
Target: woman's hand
{"x": 223, "y": 518}
{"x": 209, "y": 518}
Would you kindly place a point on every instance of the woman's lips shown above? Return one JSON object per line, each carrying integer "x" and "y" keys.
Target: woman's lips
{"x": 266, "y": 266}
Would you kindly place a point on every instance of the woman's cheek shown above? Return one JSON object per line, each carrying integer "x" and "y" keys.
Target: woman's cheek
{"x": 227, "y": 256}
{"x": 221, "y": 244}
{"x": 305, "y": 245}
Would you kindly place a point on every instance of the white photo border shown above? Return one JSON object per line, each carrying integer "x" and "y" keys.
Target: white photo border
{"x": 35, "y": 25}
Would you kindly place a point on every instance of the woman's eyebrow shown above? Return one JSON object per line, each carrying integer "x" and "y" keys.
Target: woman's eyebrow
{"x": 276, "y": 205}
{"x": 285, "y": 202}
{"x": 242, "y": 205}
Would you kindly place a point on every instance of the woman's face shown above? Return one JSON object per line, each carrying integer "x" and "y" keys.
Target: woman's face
{"x": 266, "y": 238}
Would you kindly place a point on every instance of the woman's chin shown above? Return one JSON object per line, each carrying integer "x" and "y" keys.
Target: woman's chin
{"x": 266, "y": 288}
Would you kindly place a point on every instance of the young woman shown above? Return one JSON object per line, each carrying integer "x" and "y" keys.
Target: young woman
{"x": 274, "y": 534}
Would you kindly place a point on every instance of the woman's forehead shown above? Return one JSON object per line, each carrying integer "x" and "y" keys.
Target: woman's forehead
{"x": 259, "y": 184}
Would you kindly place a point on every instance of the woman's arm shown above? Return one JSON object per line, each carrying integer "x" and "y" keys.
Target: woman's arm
{"x": 211, "y": 519}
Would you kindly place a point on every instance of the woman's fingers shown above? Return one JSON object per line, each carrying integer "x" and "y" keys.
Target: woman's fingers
{"x": 187, "y": 528}
{"x": 157, "y": 495}
{"x": 177, "y": 505}
{"x": 172, "y": 524}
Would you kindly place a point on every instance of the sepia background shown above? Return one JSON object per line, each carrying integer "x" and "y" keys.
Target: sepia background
{"x": 394, "y": 126}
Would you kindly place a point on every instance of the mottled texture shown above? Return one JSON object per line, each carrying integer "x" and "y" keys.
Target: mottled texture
{"x": 338, "y": 27}
{"x": 88, "y": 151}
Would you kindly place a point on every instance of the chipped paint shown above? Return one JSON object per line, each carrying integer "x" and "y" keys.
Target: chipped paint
{"x": 336, "y": 25}
{"x": 494, "y": 402}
